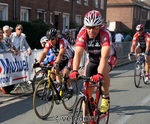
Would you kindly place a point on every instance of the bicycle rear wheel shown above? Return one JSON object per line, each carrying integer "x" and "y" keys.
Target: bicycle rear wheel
{"x": 137, "y": 75}
{"x": 39, "y": 75}
{"x": 69, "y": 102}
{"x": 43, "y": 99}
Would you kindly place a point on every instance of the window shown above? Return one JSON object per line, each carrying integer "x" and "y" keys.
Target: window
{"x": 102, "y": 4}
{"x": 96, "y": 3}
{"x": 24, "y": 14}
{"x": 65, "y": 20}
{"x": 78, "y": 19}
{"x": 79, "y": 1}
{"x": 51, "y": 19}
{"x": 86, "y": 2}
{"x": 3, "y": 12}
{"x": 41, "y": 14}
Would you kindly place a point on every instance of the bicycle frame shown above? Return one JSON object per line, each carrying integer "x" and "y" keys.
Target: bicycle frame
{"x": 50, "y": 82}
{"x": 95, "y": 114}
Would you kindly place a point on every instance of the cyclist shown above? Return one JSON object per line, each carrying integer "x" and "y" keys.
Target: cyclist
{"x": 143, "y": 39}
{"x": 64, "y": 55}
{"x": 50, "y": 57}
{"x": 97, "y": 41}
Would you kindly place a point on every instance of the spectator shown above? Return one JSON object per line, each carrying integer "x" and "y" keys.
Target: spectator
{"x": 6, "y": 36}
{"x": 128, "y": 38}
{"x": 66, "y": 35}
{"x": 3, "y": 47}
{"x": 118, "y": 41}
{"x": 19, "y": 40}
{"x": 119, "y": 37}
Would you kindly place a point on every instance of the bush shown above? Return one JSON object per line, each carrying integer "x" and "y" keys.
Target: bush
{"x": 34, "y": 30}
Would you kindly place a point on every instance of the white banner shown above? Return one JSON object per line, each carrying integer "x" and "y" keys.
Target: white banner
{"x": 16, "y": 69}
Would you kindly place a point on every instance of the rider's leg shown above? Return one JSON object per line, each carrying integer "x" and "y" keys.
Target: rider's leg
{"x": 147, "y": 67}
{"x": 138, "y": 50}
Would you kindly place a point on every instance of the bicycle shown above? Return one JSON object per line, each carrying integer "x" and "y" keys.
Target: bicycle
{"x": 93, "y": 115}
{"x": 43, "y": 97}
{"x": 139, "y": 69}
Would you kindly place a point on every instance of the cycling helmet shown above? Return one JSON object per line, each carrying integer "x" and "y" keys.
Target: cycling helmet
{"x": 51, "y": 33}
{"x": 139, "y": 27}
{"x": 43, "y": 39}
{"x": 93, "y": 18}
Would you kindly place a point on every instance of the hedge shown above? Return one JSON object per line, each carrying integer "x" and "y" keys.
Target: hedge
{"x": 33, "y": 31}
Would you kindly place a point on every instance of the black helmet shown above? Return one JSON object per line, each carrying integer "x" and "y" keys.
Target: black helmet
{"x": 51, "y": 33}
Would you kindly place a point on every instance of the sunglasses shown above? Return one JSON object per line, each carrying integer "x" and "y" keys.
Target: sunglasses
{"x": 19, "y": 29}
{"x": 92, "y": 27}
{"x": 53, "y": 38}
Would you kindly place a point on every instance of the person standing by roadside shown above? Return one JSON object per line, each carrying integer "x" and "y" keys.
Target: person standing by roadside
{"x": 19, "y": 40}
{"x": 7, "y": 30}
{"x": 119, "y": 38}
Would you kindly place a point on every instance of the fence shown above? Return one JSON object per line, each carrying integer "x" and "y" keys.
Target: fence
{"x": 16, "y": 69}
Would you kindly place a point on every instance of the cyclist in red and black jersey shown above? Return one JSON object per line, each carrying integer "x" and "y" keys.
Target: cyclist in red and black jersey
{"x": 97, "y": 41}
{"x": 64, "y": 55}
{"x": 143, "y": 39}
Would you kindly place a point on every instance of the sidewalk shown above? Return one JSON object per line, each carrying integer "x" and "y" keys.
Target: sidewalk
{"x": 19, "y": 92}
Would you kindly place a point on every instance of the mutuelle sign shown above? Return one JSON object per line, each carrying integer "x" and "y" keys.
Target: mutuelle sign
{"x": 16, "y": 69}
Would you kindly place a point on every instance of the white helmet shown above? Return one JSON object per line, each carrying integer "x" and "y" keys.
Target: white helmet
{"x": 139, "y": 27}
{"x": 93, "y": 18}
{"x": 43, "y": 39}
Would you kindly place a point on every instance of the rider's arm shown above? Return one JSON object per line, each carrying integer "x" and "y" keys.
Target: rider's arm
{"x": 77, "y": 57}
{"x": 60, "y": 55}
{"x": 133, "y": 45}
{"x": 105, "y": 51}
{"x": 43, "y": 55}
{"x": 147, "y": 44}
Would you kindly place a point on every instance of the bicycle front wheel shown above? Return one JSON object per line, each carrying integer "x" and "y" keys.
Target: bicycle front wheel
{"x": 69, "y": 102}
{"x": 103, "y": 118}
{"x": 137, "y": 75}
{"x": 43, "y": 99}
{"x": 77, "y": 115}
{"x": 39, "y": 75}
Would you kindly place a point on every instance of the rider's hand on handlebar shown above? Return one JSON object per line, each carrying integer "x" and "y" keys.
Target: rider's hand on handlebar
{"x": 96, "y": 77}
{"x": 129, "y": 55}
{"x": 74, "y": 74}
{"x": 35, "y": 65}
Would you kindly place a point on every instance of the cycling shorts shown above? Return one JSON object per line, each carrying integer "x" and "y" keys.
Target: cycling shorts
{"x": 91, "y": 68}
{"x": 66, "y": 64}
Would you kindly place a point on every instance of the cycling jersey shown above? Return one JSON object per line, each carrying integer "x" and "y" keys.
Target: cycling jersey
{"x": 145, "y": 37}
{"x": 93, "y": 46}
{"x": 61, "y": 44}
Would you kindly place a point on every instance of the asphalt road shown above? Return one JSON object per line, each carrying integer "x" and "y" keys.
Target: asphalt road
{"x": 129, "y": 105}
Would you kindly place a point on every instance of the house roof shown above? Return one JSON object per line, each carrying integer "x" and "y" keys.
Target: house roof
{"x": 128, "y": 2}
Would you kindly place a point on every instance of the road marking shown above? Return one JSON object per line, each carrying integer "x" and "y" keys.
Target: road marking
{"x": 125, "y": 118}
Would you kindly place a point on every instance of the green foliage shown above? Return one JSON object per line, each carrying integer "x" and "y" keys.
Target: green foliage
{"x": 33, "y": 30}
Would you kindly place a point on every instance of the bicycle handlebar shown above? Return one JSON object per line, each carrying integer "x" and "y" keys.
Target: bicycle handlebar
{"x": 85, "y": 78}
{"x": 133, "y": 54}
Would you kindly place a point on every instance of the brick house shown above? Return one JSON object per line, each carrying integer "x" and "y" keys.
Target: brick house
{"x": 126, "y": 14}
{"x": 60, "y": 13}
